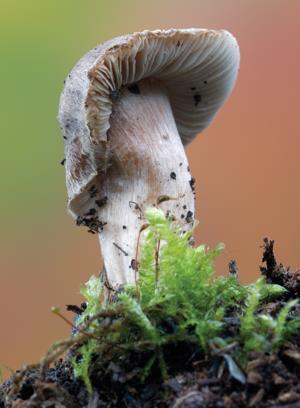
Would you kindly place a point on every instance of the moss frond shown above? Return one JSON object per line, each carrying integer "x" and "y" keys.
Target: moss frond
{"x": 283, "y": 329}
{"x": 81, "y": 364}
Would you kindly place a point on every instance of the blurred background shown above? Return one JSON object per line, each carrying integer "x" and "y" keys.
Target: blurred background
{"x": 246, "y": 163}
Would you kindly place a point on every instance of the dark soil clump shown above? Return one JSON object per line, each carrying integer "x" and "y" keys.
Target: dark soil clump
{"x": 192, "y": 380}
{"x": 277, "y": 273}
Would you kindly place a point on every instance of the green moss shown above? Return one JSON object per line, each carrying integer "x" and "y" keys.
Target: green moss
{"x": 82, "y": 365}
{"x": 282, "y": 327}
{"x": 177, "y": 299}
{"x": 91, "y": 292}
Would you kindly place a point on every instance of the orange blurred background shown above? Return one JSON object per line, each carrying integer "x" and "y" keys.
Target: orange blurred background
{"x": 245, "y": 163}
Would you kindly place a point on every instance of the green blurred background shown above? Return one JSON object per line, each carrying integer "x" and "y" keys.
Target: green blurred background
{"x": 246, "y": 164}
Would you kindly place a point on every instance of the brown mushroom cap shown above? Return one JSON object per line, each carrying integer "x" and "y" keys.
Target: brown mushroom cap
{"x": 197, "y": 66}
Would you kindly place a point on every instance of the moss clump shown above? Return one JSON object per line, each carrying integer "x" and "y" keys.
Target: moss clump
{"x": 177, "y": 301}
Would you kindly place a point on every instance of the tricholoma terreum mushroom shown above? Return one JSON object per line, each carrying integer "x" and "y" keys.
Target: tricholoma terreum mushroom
{"x": 127, "y": 109}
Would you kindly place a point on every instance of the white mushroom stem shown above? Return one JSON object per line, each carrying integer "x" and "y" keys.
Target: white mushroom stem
{"x": 147, "y": 161}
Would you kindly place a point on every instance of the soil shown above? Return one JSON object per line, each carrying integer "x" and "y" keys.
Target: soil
{"x": 194, "y": 380}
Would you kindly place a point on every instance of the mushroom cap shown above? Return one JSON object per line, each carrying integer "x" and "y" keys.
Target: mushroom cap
{"x": 198, "y": 67}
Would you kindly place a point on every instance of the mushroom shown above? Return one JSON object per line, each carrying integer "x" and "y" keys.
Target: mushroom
{"x": 127, "y": 109}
